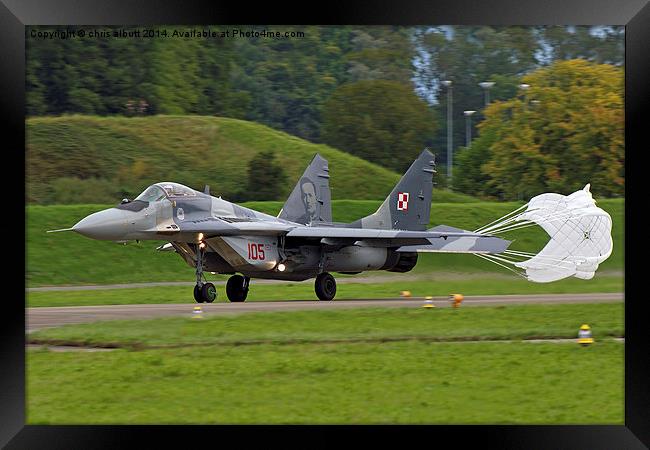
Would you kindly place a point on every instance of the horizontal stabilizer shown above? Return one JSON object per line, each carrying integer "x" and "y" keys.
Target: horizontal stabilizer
{"x": 456, "y": 240}
{"x": 460, "y": 244}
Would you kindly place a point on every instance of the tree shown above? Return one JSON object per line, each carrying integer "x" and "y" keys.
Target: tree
{"x": 565, "y": 132}
{"x": 266, "y": 177}
{"x": 468, "y": 56}
{"x": 377, "y": 120}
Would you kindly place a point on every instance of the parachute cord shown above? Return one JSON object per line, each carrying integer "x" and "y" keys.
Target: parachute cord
{"x": 502, "y": 265}
{"x": 518, "y": 253}
{"x": 478, "y": 230}
{"x": 508, "y": 226}
{"x": 500, "y": 224}
{"x": 531, "y": 255}
{"x": 550, "y": 261}
{"x": 513, "y": 227}
{"x": 501, "y": 258}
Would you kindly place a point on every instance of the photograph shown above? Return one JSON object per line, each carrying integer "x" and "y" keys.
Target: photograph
{"x": 367, "y": 223}
{"x": 325, "y": 224}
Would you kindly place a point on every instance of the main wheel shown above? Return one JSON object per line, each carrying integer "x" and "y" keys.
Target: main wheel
{"x": 209, "y": 292}
{"x": 198, "y": 296}
{"x": 325, "y": 286}
{"x": 235, "y": 289}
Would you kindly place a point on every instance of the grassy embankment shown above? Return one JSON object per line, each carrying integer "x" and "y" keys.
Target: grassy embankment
{"x": 105, "y": 155}
{"x": 345, "y": 366}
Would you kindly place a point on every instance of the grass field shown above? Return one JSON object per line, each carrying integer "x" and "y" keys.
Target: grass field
{"x": 439, "y": 285}
{"x": 71, "y": 259}
{"x": 486, "y": 322}
{"x": 343, "y": 366}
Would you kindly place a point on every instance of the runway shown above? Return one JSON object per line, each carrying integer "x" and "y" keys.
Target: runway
{"x": 46, "y": 317}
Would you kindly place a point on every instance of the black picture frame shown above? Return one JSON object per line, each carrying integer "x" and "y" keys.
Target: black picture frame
{"x": 16, "y": 14}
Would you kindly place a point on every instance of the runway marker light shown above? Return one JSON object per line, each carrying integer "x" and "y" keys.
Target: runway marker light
{"x": 428, "y": 297}
{"x": 405, "y": 293}
{"x": 584, "y": 335}
{"x": 428, "y": 304}
{"x": 198, "y": 313}
{"x": 456, "y": 300}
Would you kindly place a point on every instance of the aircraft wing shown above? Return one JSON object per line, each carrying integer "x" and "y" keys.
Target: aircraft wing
{"x": 233, "y": 227}
{"x": 438, "y": 239}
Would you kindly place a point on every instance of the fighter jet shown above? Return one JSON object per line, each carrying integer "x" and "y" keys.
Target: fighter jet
{"x": 215, "y": 235}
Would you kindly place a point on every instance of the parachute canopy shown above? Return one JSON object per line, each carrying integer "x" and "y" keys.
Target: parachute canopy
{"x": 580, "y": 236}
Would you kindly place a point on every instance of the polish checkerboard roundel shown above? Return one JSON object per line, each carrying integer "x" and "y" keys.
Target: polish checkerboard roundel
{"x": 402, "y": 201}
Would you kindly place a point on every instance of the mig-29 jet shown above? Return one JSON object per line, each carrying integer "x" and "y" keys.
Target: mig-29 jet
{"x": 217, "y": 236}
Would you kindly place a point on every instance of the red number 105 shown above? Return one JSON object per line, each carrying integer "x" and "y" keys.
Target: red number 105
{"x": 255, "y": 251}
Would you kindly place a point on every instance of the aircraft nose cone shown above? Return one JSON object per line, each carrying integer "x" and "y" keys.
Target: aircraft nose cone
{"x": 109, "y": 224}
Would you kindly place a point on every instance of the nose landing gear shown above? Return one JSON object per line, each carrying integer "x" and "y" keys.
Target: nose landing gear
{"x": 203, "y": 291}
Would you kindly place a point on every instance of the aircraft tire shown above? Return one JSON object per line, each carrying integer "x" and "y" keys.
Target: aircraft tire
{"x": 325, "y": 286}
{"x": 198, "y": 295}
{"x": 235, "y": 289}
{"x": 208, "y": 292}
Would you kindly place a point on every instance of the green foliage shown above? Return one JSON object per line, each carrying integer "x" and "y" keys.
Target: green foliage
{"x": 76, "y": 190}
{"x": 132, "y": 153}
{"x": 605, "y": 47}
{"x": 566, "y": 131}
{"x": 286, "y": 83}
{"x": 470, "y": 55}
{"x": 266, "y": 178}
{"x": 380, "y": 120}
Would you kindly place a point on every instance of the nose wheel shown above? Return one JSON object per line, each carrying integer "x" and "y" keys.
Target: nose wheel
{"x": 203, "y": 292}
{"x": 206, "y": 293}
{"x": 325, "y": 286}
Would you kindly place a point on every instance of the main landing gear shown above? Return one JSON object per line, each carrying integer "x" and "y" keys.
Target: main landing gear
{"x": 237, "y": 288}
{"x": 203, "y": 291}
{"x": 325, "y": 286}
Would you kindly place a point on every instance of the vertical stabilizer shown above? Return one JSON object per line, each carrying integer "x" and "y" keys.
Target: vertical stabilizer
{"x": 408, "y": 206}
{"x": 310, "y": 200}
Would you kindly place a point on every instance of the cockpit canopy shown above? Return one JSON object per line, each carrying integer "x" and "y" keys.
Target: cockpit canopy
{"x": 159, "y": 191}
{"x": 176, "y": 190}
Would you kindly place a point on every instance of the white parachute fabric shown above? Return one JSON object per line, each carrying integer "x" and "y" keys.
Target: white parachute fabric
{"x": 580, "y": 235}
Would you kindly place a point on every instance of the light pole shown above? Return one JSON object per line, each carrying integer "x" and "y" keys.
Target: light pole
{"x": 524, "y": 87}
{"x": 450, "y": 127}
{"x": 468, "y": 127}
{"x": 487, "y": 85}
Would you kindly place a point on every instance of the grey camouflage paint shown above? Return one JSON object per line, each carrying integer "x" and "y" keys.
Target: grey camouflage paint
{"x": 408, "y": 206}
{"x": 302, "y": 237}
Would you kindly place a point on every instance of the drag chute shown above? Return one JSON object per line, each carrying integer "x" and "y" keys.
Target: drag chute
{"x": 580, "y": 237}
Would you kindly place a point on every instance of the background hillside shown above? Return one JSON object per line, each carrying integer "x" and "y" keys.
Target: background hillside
{"x": 86, "y": 159}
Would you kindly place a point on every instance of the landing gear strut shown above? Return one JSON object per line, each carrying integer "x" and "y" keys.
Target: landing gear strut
{"x": 325, "y": 286}
{"x": 237, "y": 288}
{"x": 203, "y": 291}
